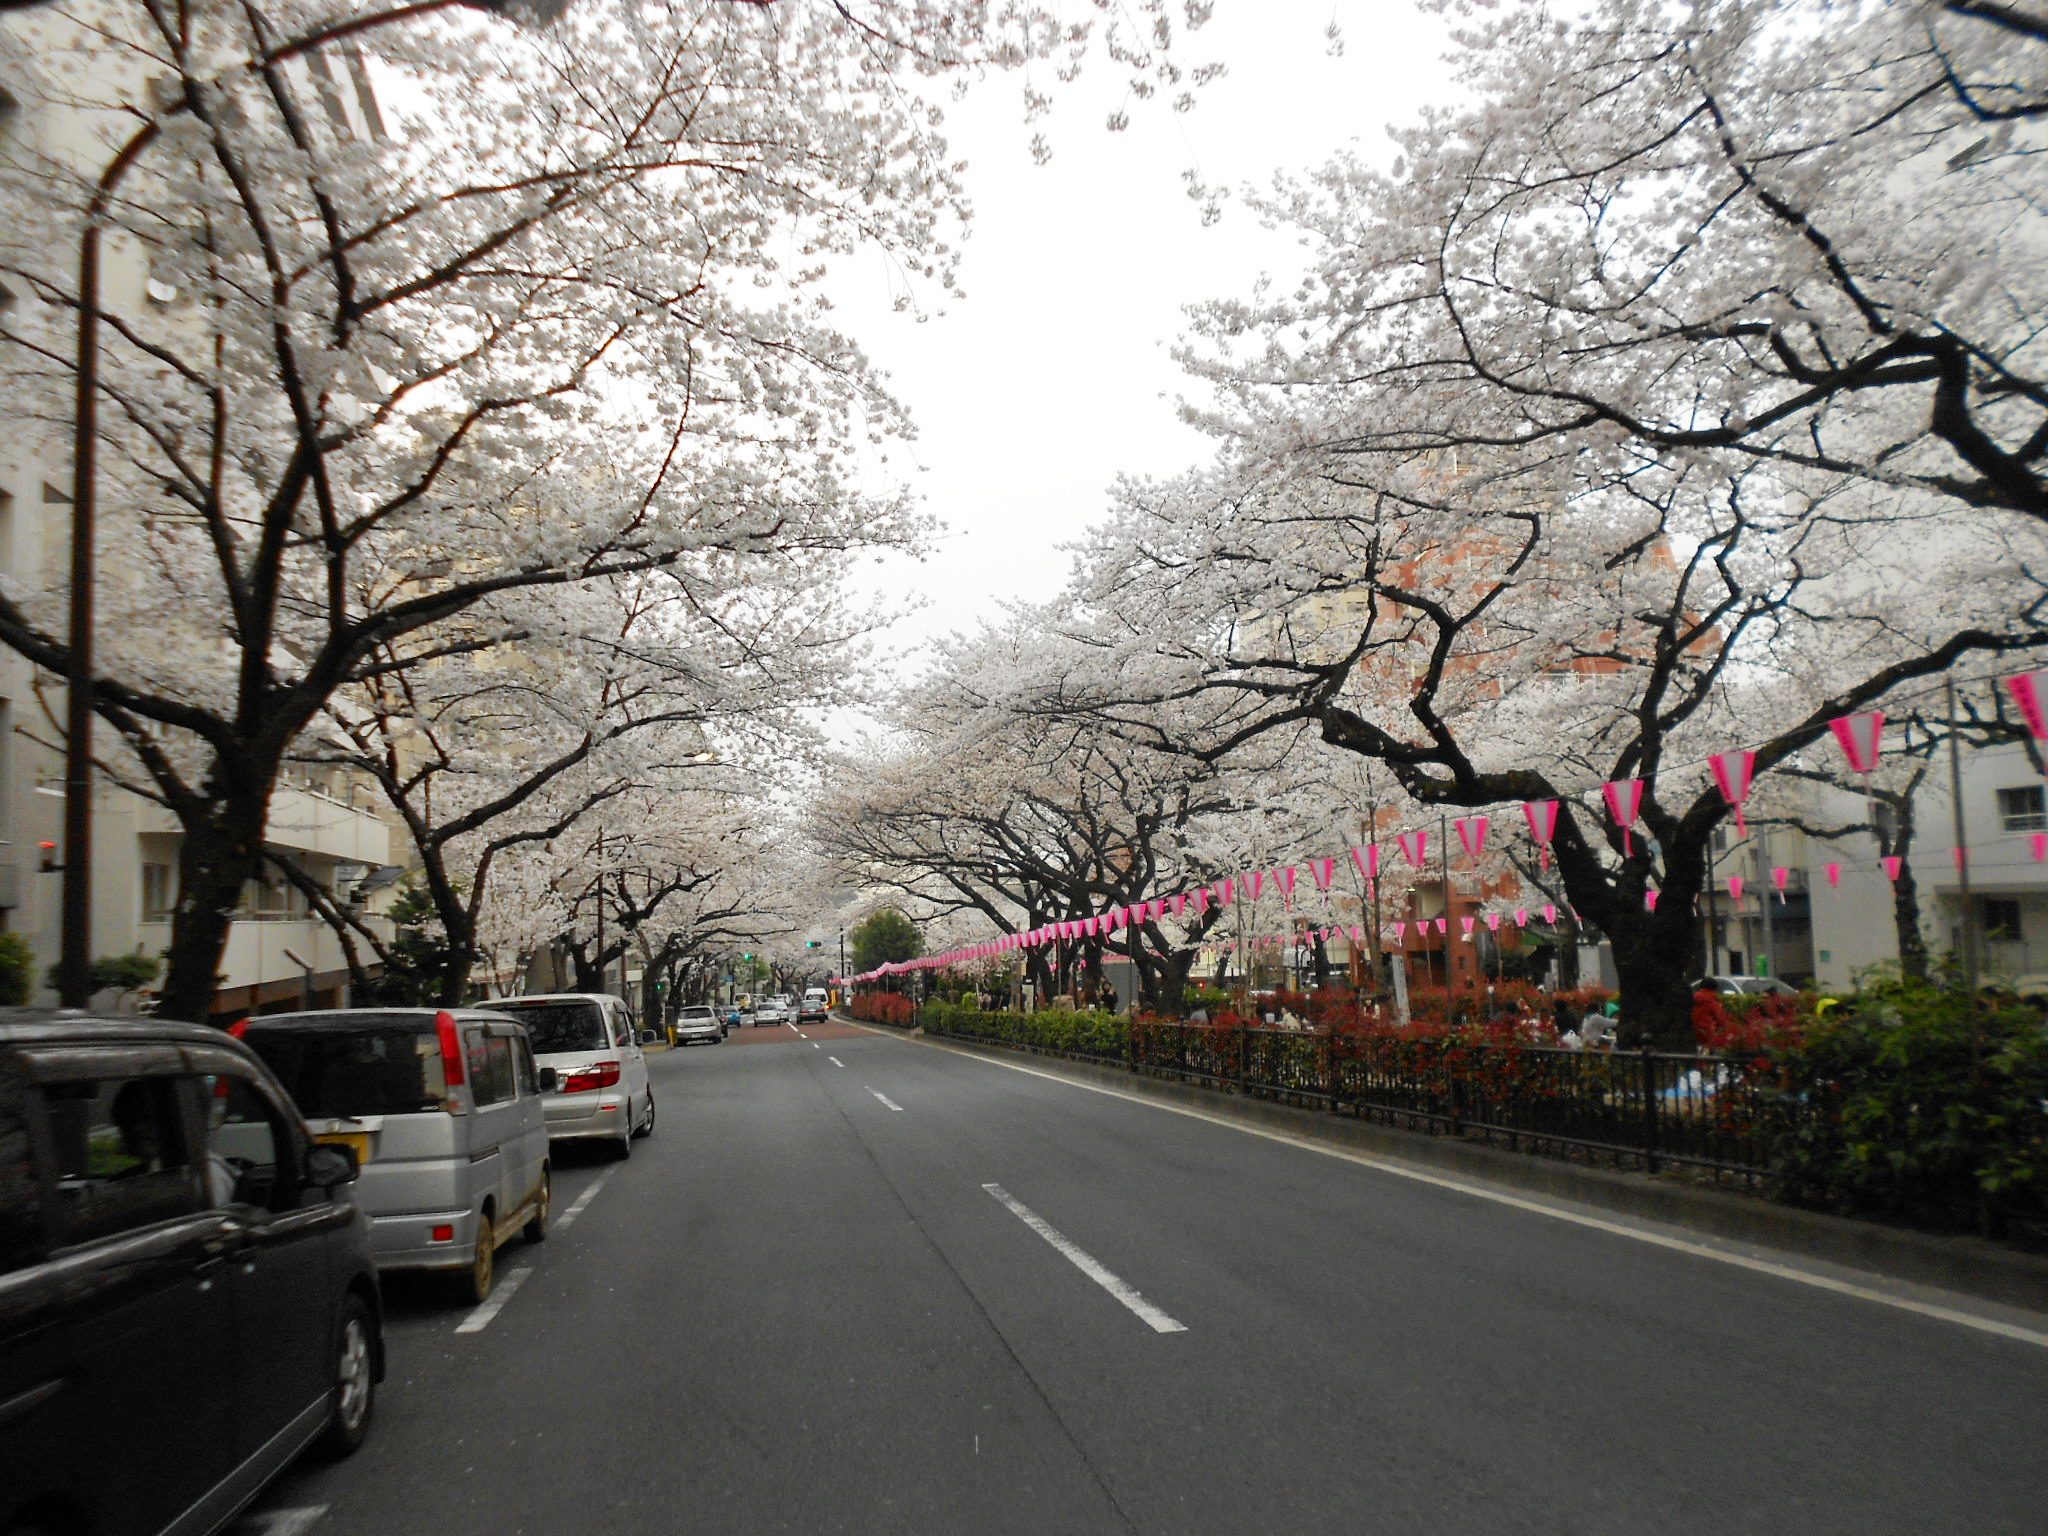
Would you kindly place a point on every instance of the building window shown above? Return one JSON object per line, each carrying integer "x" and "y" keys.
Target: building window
{"x": 159, "y": 892}
{"x": 2000, "y": 919}
{"x": 2024, "y": 809}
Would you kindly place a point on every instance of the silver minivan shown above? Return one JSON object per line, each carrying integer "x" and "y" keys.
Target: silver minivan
{"x": 601, "y": 1090}
{"x": 443, "y": 1109}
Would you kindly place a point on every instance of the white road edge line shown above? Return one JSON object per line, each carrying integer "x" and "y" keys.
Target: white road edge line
{"x": 836, "y": 1062}
{"x": 1127, "y": 1294}
{"x": 568, "y": 1217}
{"x": 885, "y": 1099}
{"x": 480, "y": 1319}
{"x": 1991, "y": 1325}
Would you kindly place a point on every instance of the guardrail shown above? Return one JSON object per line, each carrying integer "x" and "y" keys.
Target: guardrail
{"x": 1644, "y": 1109}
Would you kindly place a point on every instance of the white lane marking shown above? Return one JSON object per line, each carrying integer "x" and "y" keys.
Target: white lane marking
{"x": 279, "y": 1522}
{"x": 836, "y": 1062}
{"x": 480, "y": 1319}
{"x": 568, "y": 1217}
{"x": 886, "y": 1099}
{"x": 1127, "y": 1294}
{"x": 1956, "y": 1315}
{"x": 816, "y": 1047}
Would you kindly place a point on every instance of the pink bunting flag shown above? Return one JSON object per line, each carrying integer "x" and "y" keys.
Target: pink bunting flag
{"x": 1401, "y": 934}
{"x": 1779, "y": 875}
{"x": 1443, "y": 925}
{"x": 1367, "y": 858}
{"x": 1180, "y": 902}
{"x": 1542, "y": 818}
{"x": 1200, "y": 901}
{"x": 1624, "y": 803}
{"x": 1258, "y": 879}
{"x": 1834, "y": 874}
{"x": 1323, "y": 872}
{"x": 2031, "y": 696}
{"x": 1415, "y": 847}
{"x": 1226, "y": 891}
{"x": 1961, "y": 856}
{"x": 1892, "y": 865}
{"x": 1467, "y": 924}
{"x": 1521, "y": 917}
{"x": 1861, "y": 737}
{"x": 1287, "y": 881}
{"x": 1550, "y": 913}
{"x": 1733, "y": 771}
{"x": 1650, "y": 900}
{"x": 1735, "y": 885}
{"x": 2040, "y": 847}
{"x": 1157, "y": 910}
{"x": 1472, "y": 836}
{"x": 1493, "y": 921}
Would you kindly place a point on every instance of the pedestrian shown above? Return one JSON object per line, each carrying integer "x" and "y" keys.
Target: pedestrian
{"x": 1109, "y": 999}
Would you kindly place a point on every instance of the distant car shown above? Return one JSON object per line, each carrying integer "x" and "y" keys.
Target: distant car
{"x": 442, "y": 1110}
{"x": 817, "y": 1004}
{"x": 770, "y": 1011}
{"x": 697, "y": 1024}
{"x": 187, "y": 1298}
{"x": 1744, "y": 984}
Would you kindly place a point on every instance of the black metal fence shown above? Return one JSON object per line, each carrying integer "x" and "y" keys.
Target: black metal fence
{"x": 1644, "y": 1109}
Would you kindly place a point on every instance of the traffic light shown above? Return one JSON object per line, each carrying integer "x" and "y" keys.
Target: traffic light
{"x": 747, "y": 955}
{"x": 810, "y": 943}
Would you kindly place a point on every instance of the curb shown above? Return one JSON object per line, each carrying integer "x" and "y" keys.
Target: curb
{"x": 1968, "y": 1266}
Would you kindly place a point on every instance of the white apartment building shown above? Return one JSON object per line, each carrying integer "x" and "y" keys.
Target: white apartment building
{"x": 278, "y": 954}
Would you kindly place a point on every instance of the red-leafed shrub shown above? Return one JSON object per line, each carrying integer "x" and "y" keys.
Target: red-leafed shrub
{"x": 884, "y": 1008}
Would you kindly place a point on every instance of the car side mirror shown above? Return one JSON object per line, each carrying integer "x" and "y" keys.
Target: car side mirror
{"x": 548, "y": 1080}
{"x": 328, "y": 1166}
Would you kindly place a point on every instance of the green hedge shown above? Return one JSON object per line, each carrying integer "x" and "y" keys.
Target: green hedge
{"x": 1080, "y": 1033}
{"x": 1911, "y": 1127}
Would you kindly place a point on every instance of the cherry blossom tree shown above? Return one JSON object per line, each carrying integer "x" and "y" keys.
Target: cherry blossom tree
{"x": 546, "y": 312}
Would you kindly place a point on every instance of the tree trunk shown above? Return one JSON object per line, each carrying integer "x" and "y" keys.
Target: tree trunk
{"x": 1906, "y": 925}
{"x": 1656, "y": 1003}
{"x": 222, "y": 850}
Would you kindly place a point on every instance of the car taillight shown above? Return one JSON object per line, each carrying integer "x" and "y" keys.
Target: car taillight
{"x": 238, "y": 1029}
{"x": 451, "y": 1049}
{"x": 601, "y": 1074}
{"x": 441, "y": 1235}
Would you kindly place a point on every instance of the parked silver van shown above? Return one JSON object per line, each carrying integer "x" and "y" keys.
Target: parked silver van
{"x": 601, "y": 1087}
{"x": 443, "y": 1111}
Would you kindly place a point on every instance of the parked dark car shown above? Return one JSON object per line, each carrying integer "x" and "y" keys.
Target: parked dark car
{"x": 187, "y": 1300}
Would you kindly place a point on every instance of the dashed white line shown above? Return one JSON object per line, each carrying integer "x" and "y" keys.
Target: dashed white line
{"x": 1127, "y": 1294}
{"x": 886, "y": 1100}
{"x": 480, "y": 1319}
{"x": 568, "y": 1217}
{"x": 836, "y": 1062}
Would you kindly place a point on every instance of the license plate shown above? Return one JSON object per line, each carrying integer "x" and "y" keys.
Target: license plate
{"x": 357, "y": 1142}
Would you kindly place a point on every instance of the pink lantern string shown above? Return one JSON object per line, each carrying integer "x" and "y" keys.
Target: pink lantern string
{"x": 1367, "y": 858}
{"x": 1862, "y": 738}
{"x": 1892, "y": 863}
{"x": 1287, "y": 881}
{"x": 1734, "y": 771}
{"x": 1493, "y": 922}
{"x": 1443, "y": 925}
{"x": 1624, "y": 804}
{"x": 1179, "y": 903}
{"x": 1779, "y": 875}
{"x": 2041, "y": 847}
{"x": 1258, "y": 878}
{"x": 1401, "y": 934}
{"x": 1735, "y": 885}
{"x": 1324, "y": 872}
{"x": 1226, "y": 891}
{"x": 1650, "y": 901}
{"x": 1834, "y": 874}
{"x": 1521, "y": 917}
{"x": 1550, "y": 913}
{"x": 1472, "y": 836}
{"x": 2031, "y": 697}
{"x": 1415, "y": 847}
{"x": 1467, "y": 925}
{"x": 1542, "y": 818}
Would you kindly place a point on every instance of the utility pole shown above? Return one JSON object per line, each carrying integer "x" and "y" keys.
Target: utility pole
{"x": 1955, "y": 788}
{"x": 1443, "y": 853}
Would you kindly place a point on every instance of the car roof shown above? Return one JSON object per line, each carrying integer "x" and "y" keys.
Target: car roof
{"x": 555, "y": 997}
{"x": 50, "y": 1026}
{"x": 348, "y": 1018}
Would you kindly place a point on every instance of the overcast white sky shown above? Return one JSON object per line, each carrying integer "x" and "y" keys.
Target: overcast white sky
{"x": 1053, "y": 374}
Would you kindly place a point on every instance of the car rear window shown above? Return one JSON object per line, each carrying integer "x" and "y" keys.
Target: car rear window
{"x": 556, "y": 1027}
{"x": 694, "y": 1013}
{"x": 369, "y": 1069}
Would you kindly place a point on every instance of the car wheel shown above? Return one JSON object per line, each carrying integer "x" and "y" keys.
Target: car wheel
{"x": 536, "y": 1230}
{"x": 623, "y": 1147}
{"x": 355, "y": 1381}
{"x": 647, "y": 1128}
{"x": 483, "y": 1266}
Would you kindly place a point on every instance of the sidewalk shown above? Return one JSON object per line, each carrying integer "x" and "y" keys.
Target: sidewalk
{"x": 1870, "y": 1252}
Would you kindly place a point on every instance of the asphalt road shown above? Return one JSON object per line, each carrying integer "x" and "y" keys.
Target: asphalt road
{"x": 801, "y": 1307}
